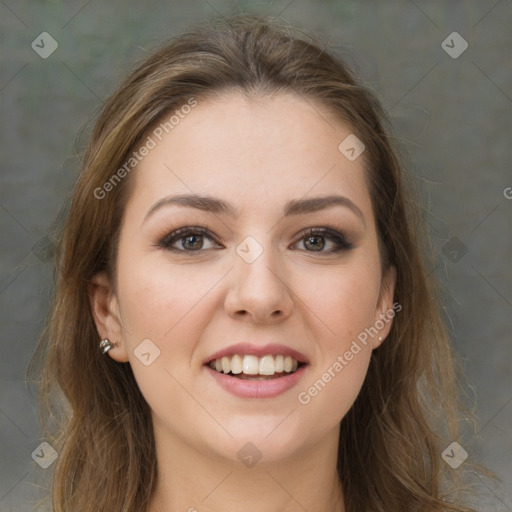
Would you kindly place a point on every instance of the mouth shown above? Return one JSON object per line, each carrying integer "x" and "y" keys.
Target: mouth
{"x": 253, "y": 368}
{"x": 250, "y": 371}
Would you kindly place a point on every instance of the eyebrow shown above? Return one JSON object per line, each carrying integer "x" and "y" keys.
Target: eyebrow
{"x": 220, "y": 207}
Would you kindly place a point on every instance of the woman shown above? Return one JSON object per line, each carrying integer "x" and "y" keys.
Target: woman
{"x": 243, "y": 318}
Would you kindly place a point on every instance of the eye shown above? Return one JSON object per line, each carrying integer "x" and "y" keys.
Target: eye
{"x": 318, "y": 239}
{"x": 189, "y": 239}
{"x": 197, "y": 238}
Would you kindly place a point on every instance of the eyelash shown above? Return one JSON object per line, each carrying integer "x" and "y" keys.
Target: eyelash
{"x": 326, "y": 232}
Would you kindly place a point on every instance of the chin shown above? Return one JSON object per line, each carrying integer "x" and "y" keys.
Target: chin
{"x": 268, "y": 439}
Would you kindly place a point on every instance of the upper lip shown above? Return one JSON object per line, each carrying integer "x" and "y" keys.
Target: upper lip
{"x": 258, "y": 350}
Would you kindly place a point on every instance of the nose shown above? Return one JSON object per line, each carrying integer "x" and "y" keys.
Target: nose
{"x": 259, "y": 291}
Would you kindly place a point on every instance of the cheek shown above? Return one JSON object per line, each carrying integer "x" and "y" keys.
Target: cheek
{"x": 344, "y": 303}
{"x": 343, "y": 300}
{"x": 171, "y": 309}
{"x": 159, "y": 302}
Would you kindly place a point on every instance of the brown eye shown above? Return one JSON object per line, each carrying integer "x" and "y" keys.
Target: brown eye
{"x": 189, "y": 239}
{"x": 316, "y": 240}
{"x": 193, "y": 242}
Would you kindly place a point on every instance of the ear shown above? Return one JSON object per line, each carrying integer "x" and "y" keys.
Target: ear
{"x": 385, "y": 310}
{"x": 105, "y": 311}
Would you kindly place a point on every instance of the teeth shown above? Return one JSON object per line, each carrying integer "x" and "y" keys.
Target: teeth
{"x": 226, "y": 367}
{"x": 267, "y": 365}
{"x": 236, "y": 365}
{"x": 251, "y": 365}
{"x": 254, "y": 365}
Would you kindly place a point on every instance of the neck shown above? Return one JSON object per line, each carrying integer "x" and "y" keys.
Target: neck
{"x": 196, "y": 481}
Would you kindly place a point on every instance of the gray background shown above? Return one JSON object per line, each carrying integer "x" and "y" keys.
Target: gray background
{"x": 452, "y": 116}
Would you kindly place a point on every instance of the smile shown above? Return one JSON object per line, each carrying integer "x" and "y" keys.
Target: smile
{"x": 249, "y": 370}
{"x": 251, "y": 367}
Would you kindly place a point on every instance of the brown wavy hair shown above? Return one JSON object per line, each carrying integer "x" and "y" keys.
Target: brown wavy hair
{"x": 91, "y": 408}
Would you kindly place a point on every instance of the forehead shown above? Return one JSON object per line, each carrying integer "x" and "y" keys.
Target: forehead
{"x": 251, "y": 152}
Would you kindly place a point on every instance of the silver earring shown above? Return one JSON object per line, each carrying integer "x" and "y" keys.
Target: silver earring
{"x": 380, "y": 338}
{"x": 106, "y": 345}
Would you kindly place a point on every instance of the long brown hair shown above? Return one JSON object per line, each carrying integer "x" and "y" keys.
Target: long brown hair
{"x": 91, "y": 407}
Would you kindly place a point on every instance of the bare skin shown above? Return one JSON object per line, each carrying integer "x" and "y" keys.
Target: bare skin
{"x": 203, "y": 296}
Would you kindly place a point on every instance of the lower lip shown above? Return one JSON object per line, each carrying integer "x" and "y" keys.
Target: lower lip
{"x": 257, "y": 388}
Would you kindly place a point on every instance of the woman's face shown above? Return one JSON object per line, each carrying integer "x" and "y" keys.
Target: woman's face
{"x": 248, "y": 290}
